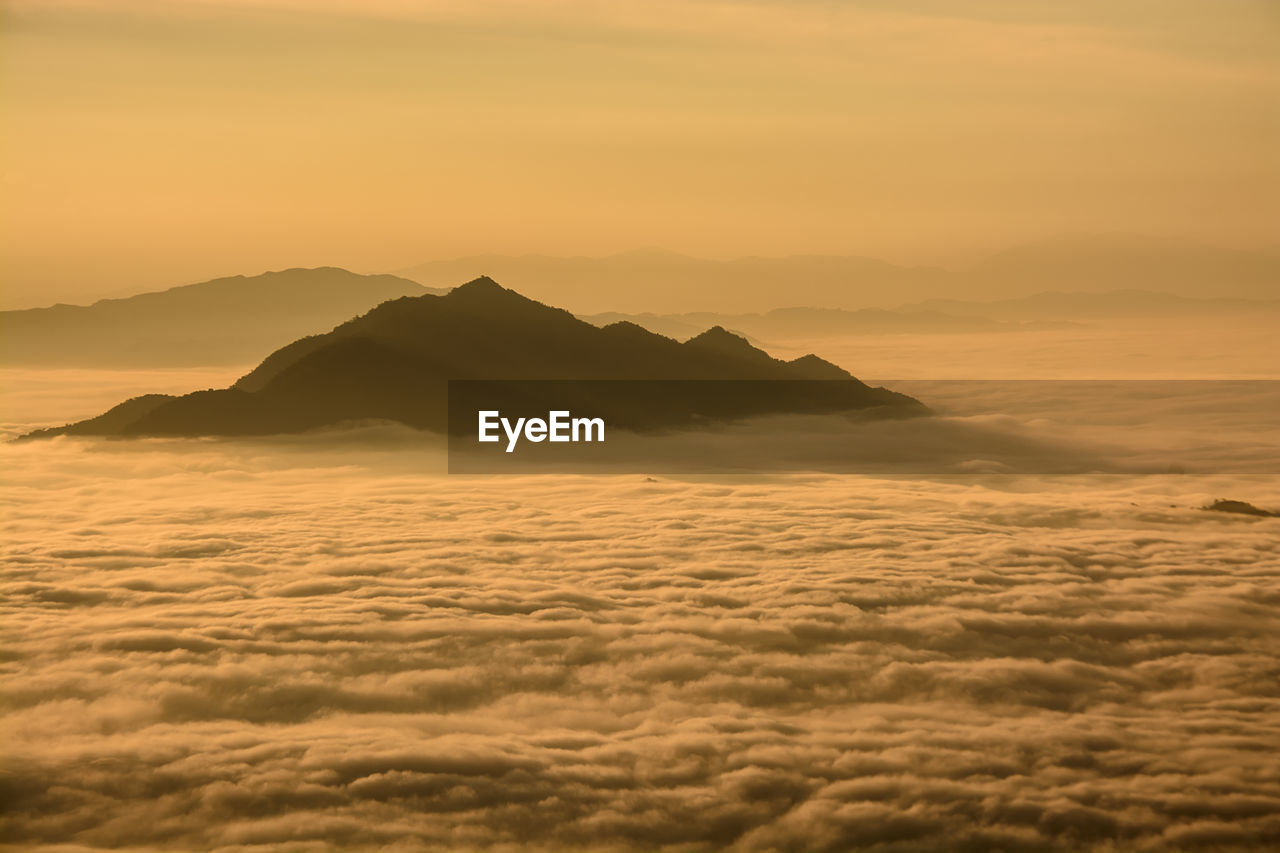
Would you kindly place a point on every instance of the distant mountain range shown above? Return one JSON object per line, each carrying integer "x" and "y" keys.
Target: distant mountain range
{"x": 661, "y": 282}
{"x": 393, "y": 363}
{"x": 657, "y": 281}
{"x": 806, "y": 322}
{"x": 237, "y": 320}
{"x": 1111, "y": 305}
{"x": 1106, "y": 262}
{"x": 224, "y": 321}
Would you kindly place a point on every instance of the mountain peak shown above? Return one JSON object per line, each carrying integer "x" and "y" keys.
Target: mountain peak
{"x": 629, "y": 329}
{"x": 718, "y": 333}
{"x": 483, "y": 284}
{"x": 394, "y": 363}
{"x": 813, "y": 367}
{"x": 720, "y": 338}
{"x": 485, "y": 293}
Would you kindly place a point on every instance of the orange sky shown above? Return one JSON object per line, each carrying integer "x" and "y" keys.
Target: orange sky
{"x": 149, "y": 144}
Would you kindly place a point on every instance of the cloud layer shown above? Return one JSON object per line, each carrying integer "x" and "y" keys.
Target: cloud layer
{"x": 228, "y": 647}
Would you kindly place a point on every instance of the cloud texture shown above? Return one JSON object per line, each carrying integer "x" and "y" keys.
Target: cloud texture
{"x": 226, "y": 647}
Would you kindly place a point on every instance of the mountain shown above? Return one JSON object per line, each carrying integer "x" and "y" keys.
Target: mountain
{"x": 1115, "y": 304}
{"x": 665, "y": 282}
{"x": 805, "y": 322}
{"x": 661, "y": 282}
{"x": 394, "y": 363}
{"x": 224, "y": 321}
{"x": 1104, "y": 262}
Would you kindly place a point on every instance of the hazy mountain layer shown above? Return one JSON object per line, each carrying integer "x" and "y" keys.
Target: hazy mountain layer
{"x": 237, "y": 320}
{"x": 1124, "y": 262}
{"x": 668, "y": 283}
{"x": 394, "y": 362}
{"x": 223, "y": 321}
{"x": 802, "y": 322}
{"x": 1115, "y": 304}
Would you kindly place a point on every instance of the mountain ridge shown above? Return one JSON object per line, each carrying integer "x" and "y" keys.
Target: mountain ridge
{"x": 229, "y": 320}
{"x": 799, "y": 322}
{"x": 394, "y": 362}
{"x": 670, "y": 283}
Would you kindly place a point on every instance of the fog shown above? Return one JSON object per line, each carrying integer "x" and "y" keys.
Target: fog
{"x": 324, "y": 643}
{"x": 981, "y": 426}
{"x": 1187, "y": 348}
{"x": 1012, "y": 625}
{"x": 217, "y": 645}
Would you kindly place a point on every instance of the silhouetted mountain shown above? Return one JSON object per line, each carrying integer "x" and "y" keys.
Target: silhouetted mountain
{"x": 1115, "y": 304}
{"x": 1240, "y": 508}
{"x": 394, "y": 363}
{"x": 224, "y": 321}
{"x": 805, "y": 322}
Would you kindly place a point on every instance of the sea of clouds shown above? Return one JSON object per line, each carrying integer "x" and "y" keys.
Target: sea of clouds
{"x": 294, "y": 645}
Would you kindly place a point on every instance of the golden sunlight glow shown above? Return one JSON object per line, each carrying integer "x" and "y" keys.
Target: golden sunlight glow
{"x": 148, "y": 144}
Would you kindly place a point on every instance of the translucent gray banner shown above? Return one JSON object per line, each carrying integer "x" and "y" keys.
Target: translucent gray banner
{"x": 846, "y": 426}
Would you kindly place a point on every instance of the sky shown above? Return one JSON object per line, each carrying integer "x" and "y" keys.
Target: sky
{"x": 148, "y": 144}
